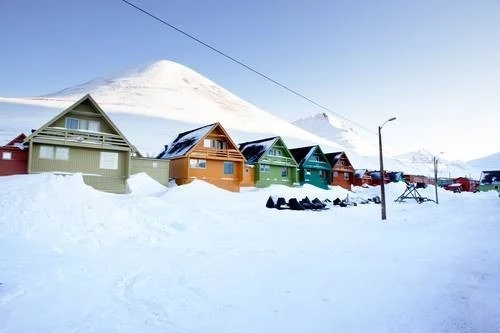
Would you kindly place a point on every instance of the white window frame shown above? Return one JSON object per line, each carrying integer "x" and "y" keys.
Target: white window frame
{"x": 335, "y": 174}
{"x": 346, "y": 175}
{"x": 108, "y": 160}
{"x": 71, "y": 118}
{"x": 61, "y": 153}
{"x": 196, "y": 163}
{"x": 265, "y": 168}
{"x": 208, "y": 143}
{"x": 6, "y": 155}
{"x": 46, "y": 152}
{"x": 284, "y": 172}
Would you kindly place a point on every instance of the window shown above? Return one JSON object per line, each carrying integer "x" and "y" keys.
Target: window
{"x": 308, "y": 172}
{"x": 108, "y": 160}
{"x": 274, "y": 152}
{"x": 72, "y": 123}
{"x": 221, "y": 144}
{"x": 284, "y": 172}
{"x": 62, "y": 153}
{"x": 83, "y": 124}
{"x": 265, "y": 168}
{"x": 6, "y": 155}
{"x": 197, "y": 163}
{"x": 51, "y": 153}
{"x": 322, "y": 173}
{"x": 155, "y": 165}
{"x": 335, "y": 174}
{"x": 228, "y": 168}
{"x": 46, "y": 152}
{"x": 207, "y": 143}
{"x": 315, "y": 158}
{"x": 346, "y": 175}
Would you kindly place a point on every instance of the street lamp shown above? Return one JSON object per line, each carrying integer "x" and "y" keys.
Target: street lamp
{"x": 382, "y": 183}
{"x": 435, "y": 162}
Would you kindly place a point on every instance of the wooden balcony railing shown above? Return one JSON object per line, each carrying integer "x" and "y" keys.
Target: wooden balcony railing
{"x": 86, "y": 137}
{"x": 217, "y": 153}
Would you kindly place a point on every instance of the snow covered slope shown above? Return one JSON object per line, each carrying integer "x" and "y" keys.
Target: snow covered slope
{"x": 336, "y": 130}
{"x": 490, "y": 162}
{"x": 423, "y": 160}
{"x": 168, "y": 90}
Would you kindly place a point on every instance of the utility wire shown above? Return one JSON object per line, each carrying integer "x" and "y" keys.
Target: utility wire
{"x": 245, "y": 65}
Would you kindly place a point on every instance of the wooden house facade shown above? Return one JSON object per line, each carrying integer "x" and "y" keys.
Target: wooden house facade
{"x": 376, "y": 179}
{"x": 468, "y": 185}
{"x": 271, "y": 163}
{"x": 83, "y": 139}
{"x": 207, "y": 153}
{"x": 314, "y": 168}
{"x": 342, "y": 169}
{"x": 362, "y": 177}
{"x": 14, "y": 157}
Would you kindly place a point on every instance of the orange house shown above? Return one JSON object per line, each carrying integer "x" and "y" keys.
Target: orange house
{"x": 343, "y": 171}
{"x": 207, "y": 153}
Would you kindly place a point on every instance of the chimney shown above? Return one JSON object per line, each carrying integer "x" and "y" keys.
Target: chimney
{"x": 166, "y": 148}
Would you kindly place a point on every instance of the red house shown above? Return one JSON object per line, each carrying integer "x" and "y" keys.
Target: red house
{"x": 468, "y": 185}
{"x": 14, "y": 157}
{"x": 361, "y": 177}
{"x": 343, "y": 171}
{"x": 377, "y": 180}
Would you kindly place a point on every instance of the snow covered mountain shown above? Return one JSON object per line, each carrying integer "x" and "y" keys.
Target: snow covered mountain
{"x": 336, "y": 130}
{"x": 153, "y": 103}
{"x": 490, "y": 162}
{"x": 424, "y": 160}
{"x": 168, "y": 90}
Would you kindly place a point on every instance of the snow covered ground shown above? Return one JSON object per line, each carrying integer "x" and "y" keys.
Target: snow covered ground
{"x": 199, "y": 259}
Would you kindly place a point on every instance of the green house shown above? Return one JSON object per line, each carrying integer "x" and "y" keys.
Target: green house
{"x": 270, "y": 162}
{"x": 83, "y": 139}
{"x": 314, "y": 167}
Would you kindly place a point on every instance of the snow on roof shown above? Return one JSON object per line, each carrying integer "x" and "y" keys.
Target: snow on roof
{"x": 490, "y": 177}
{"x": 253, "y": 150}
{"x": 302, "y": 154}
{"x": 185, "y": 141}
{"x": 334, "y": 157}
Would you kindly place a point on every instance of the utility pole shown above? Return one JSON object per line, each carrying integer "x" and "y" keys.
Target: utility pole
{"x": 436, "y": 178}
{"x": 382, "y": 178}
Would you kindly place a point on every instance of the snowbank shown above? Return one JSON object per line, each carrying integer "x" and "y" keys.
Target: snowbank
{"x": 196, "y": 258}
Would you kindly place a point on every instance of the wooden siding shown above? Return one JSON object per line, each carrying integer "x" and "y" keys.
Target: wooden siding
{"x": 273, "y": 176}
{"x": 248, "y": 178}
{"x": 87, "y": 162}
{"x": 340, "y": 178}
{"x": 179, "y": 168}
{"x": 154, "y": 168}
{"x": 18, "y": 164}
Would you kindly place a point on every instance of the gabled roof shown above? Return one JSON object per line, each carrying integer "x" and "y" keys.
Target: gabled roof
{"x": 253, "y": 150}
{"x": 18, "y": 140}
{"x": 333, "y": 158}
{"x": 301, "y": 154}
{"x": 85, "y": 98}
{"x": 186, "y": 141}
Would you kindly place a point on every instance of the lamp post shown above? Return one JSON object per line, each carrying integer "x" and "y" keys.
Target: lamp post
{"x": 435, "y": 162}
{"x": 382, "y": 183}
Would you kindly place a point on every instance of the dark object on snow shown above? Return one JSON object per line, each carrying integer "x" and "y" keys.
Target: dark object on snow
{"x": 270, "y": 202}
{"x": 306, "y": 203}
{"x": 294, "y": 204}
{"x": 318, "y": 203}
{"x": 337, "y": 202}
{"x": 412, "y": 193}
{"x": 376, "y": 199}
{"x": 328, "y": 200}
{"x": 281, "y": 203}
{"x": 421, "y": 185}
{"x": 342, "y": 204}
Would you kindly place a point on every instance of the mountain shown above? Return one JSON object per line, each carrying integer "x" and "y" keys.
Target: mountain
{"x": 490, "y": 162}
{"x": 336, "y": 130}
{"x": 423, "y": 160}
{"x": 153, "y": 103}
{"x": 168, "y": 90}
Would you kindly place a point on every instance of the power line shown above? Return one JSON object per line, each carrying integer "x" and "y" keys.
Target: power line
{"x": 244, "y": 65}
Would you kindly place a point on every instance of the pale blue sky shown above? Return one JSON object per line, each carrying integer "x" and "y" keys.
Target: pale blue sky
{"x": 433, "y": 64}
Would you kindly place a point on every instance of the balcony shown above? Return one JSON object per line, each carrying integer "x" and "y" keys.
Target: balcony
{"x": 81, "y": 137}
{"x": 221, "y": 154}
